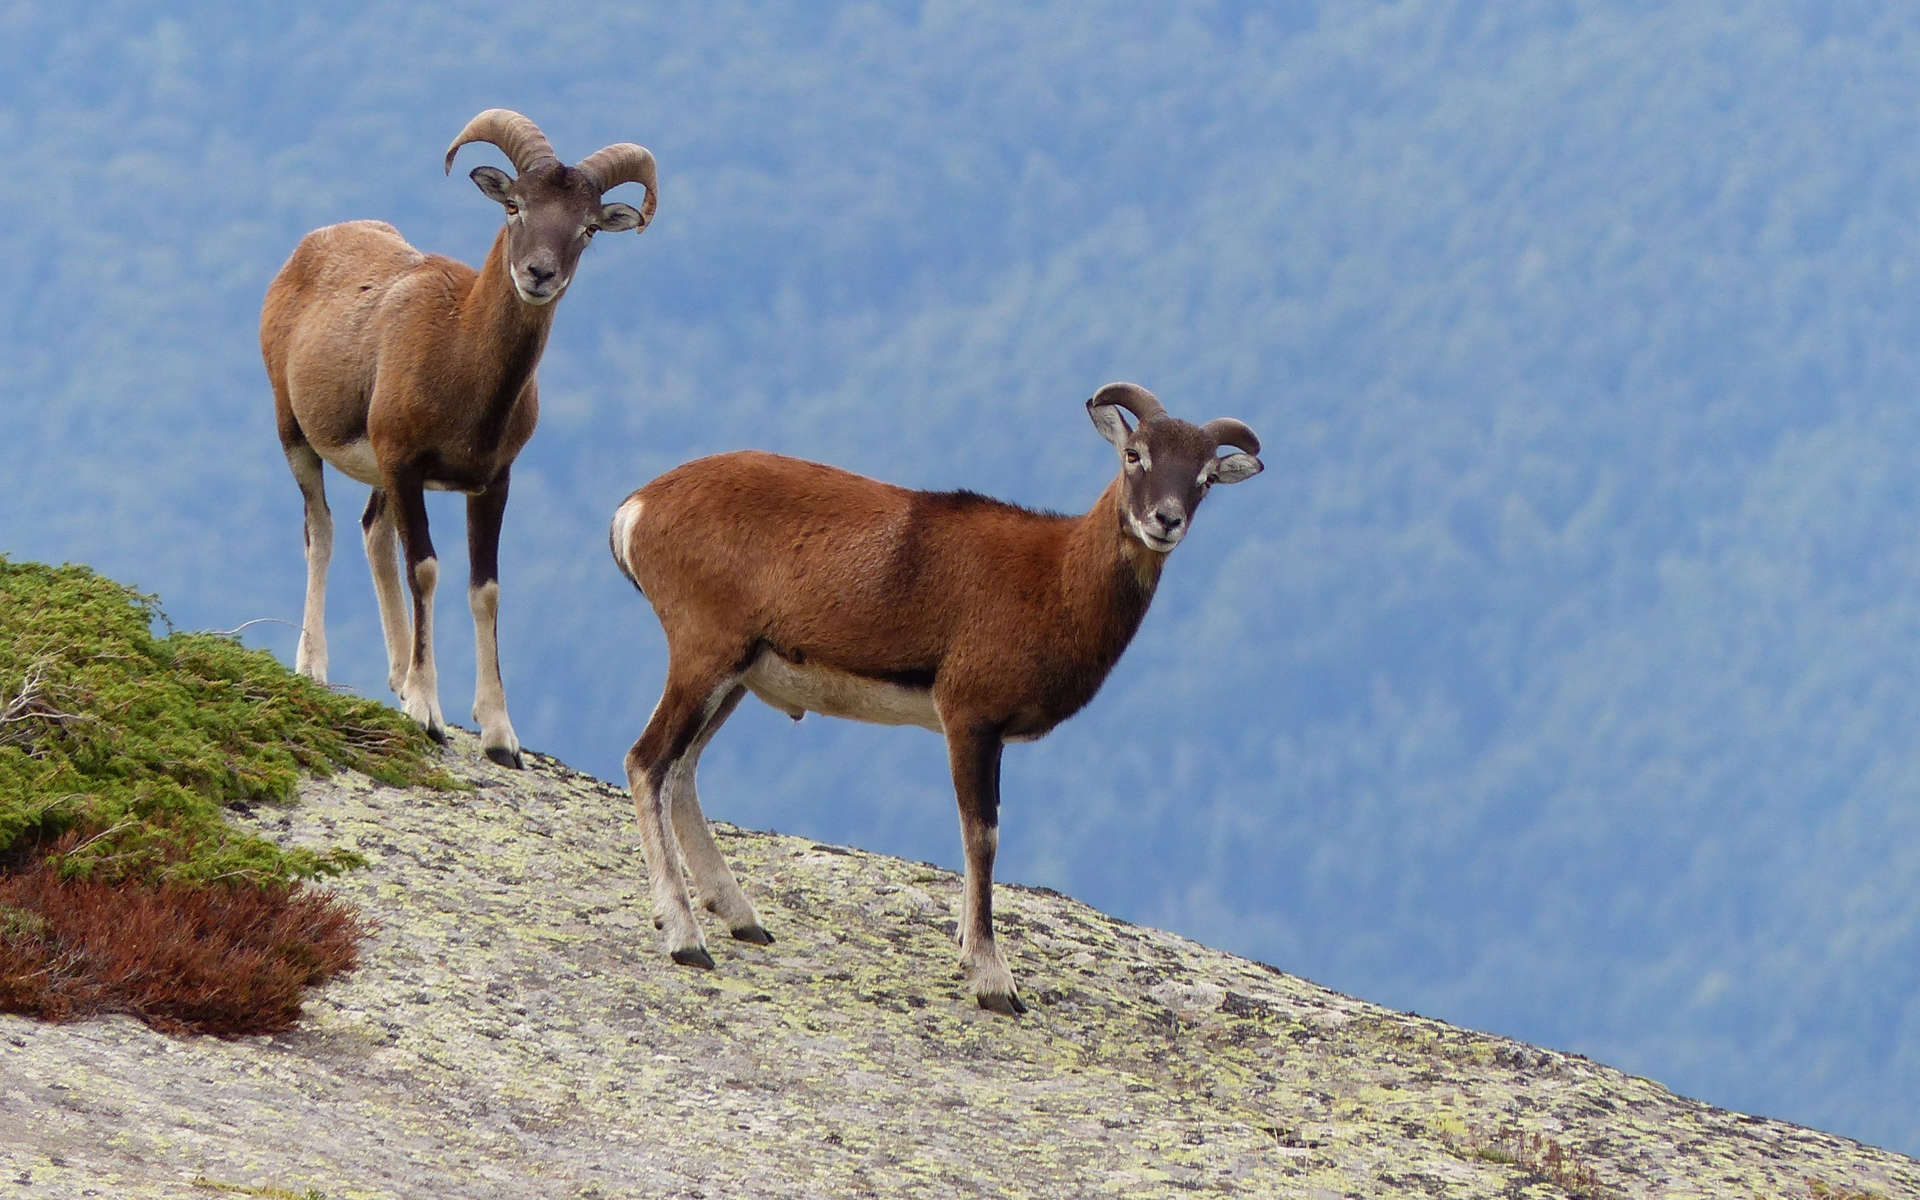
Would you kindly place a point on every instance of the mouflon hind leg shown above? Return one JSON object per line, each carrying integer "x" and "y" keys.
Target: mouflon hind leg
{"x": 382, "y": 539}
{"x": 714, "y": 884}
{"x": 310, "y": 658}
{"x": 696, "y": 691}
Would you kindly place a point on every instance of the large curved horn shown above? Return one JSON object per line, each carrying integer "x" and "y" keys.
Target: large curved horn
{"x": 522, "y": 140}
{"x": 623, "y": 162}
{"x": 1225, "y": 431}
{"x": 1143, "y": 404}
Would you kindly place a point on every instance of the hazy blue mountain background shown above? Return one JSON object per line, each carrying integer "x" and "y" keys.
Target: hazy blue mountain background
{"x": 1560, "y": 676}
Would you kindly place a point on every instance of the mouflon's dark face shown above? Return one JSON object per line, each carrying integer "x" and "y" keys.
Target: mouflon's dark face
{"x": 553, "y": 211}
{"x": 1167, "y": 466}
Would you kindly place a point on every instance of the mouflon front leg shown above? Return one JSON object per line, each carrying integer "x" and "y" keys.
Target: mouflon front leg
{"x": 974, "y": 754}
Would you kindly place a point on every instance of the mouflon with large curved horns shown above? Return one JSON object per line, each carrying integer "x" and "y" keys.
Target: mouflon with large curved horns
{"x": 411, "y": 371}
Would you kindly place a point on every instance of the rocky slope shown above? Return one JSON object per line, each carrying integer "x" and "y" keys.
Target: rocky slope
{"x": 515, "y": 1033}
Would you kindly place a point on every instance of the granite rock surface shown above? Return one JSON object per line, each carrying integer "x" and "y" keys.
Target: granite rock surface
{"x": 514, "y": 1031}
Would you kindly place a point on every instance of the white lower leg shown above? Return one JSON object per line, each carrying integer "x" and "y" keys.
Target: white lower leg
{"x": 420, "y": 696}
{"x": 383, "y": 555}
{"x": 981, "y": 960}
{"x": 719, "y": 892}
{"x": 977, "y": 880}
{"x": 310, "y": 658}
{"x": 979, "y": 953}
{"x": 489, "y": 693}
{"x": 672, "y": 909}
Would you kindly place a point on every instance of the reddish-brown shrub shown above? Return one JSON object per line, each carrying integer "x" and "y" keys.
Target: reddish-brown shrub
{"x": 226, "y": 958}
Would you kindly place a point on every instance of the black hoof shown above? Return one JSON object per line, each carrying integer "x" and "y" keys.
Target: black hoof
{"x": 1008, "y": 1005}
{"x": 505, "y": 757}
{"x": 753, "y": 933}
{"x": 696, "y": 956}
{"x": 437, "y": 734}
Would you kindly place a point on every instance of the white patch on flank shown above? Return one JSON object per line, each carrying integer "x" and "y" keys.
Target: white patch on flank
{"x": 624, "y": 519}
{"x": 794, "y": 688}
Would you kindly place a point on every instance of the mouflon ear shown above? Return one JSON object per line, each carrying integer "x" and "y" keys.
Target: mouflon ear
{"x": 1112, "y": 426}
{"x": 1105, "y": 404}
{"x": 1237, "y": 466}
{"x": 618, "y": 218}
{"x": 1225, "y": 431}
{"x": 492, "y": 182}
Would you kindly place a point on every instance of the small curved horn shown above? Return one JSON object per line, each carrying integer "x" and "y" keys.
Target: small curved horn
{"x": 1225, "y": 431}
{"x": 522, "y": 140}
{"x": 624, "y": 162}
{"x": 1143, "y": 404}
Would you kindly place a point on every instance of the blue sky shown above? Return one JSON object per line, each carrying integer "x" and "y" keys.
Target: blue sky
{"x": 1556, "y": 678}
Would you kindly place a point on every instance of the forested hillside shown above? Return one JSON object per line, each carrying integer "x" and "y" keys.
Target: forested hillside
{"x": 1558, "y": 676}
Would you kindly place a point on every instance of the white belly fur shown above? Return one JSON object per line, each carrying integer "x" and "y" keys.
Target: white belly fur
{"x": 794, "y": 688}
{"x": 356, "y": 459}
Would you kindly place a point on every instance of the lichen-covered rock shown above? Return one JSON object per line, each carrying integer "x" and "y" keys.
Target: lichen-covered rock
{"x": 515, "y": 1032}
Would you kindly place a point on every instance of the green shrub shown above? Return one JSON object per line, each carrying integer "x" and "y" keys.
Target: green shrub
{"x": 138, "y": 741}
{"x": 122, "y": 887}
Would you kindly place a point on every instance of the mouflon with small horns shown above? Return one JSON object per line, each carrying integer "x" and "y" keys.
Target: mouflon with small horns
{"x": 819, "y": 590}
